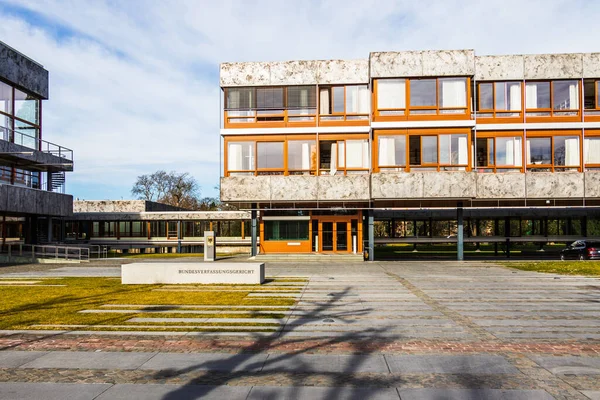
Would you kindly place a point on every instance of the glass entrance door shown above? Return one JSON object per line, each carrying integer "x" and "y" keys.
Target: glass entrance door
{"x": 327, "y": 236}
{"x": 334, "y": 236}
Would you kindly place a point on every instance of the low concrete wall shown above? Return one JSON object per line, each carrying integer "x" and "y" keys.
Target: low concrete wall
{"x": 176, "y": 273}
{"x": 21, "y": 154}
{"x": 22, "y": 200}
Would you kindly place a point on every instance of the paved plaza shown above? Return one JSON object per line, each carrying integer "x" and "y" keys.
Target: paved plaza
{"x": 382, "y": 330}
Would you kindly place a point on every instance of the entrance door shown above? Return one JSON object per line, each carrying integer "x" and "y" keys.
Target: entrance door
{"x": 334, "y": 236}
{"x": 327, "y": 238}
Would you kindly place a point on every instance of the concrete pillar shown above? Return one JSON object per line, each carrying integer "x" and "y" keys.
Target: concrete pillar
{"x": 49, "y": 181}
{"x": 178, "y": 236}
{"x": 254, "y": 232}
{"x": 371, "y": 235}
{"x": 49, "y": 229}
{"x": 459, "y": 235}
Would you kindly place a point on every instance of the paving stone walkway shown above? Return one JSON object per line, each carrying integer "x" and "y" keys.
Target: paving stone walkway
{"x": 387, "y": 330}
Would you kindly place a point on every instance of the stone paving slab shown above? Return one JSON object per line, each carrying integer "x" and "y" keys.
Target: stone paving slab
{"x": 473, "y": 394}
{"x": 51, "y": 391}
{"x": 174, "y": 392}
{"x": 570, "y": 365}
{"x": 333, "y": 363}
{"x": 206, "y": 361}
{"x": 91, "y": 360}
{"x": 321, "y": 393}
{"x": 14, "y": 359}
{"x": 447, "y": 364}
{"x": 593, "y": 395}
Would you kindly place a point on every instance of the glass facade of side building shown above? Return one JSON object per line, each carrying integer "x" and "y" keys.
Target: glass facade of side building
{"x": 395, "y": 122}
{"x": 20, "y": 123}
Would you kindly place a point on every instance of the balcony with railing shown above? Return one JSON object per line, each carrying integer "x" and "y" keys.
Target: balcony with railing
{"x": 30, "y": 152}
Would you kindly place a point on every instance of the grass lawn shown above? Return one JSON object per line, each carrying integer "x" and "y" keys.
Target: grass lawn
{"x": 25, "y": 306}
{"x": 587, "y": 268}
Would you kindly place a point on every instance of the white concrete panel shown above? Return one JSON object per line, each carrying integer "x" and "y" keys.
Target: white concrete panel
{"x": 398, "y": 185}
{"x": 501, "y": 186}
{"x": 294, "y": 188}
{"x": 245, "y": 74}
{"x": 448, "y": 62}
{"x": 343, "y": 71}
{"x": 591, "y": 65}
{"x": 553, "y": 66}
{"x": 489, "y": 68}
{"x": 176, "y": 273}
{"x": 246, "y": 188}
{"x": 592, "y": 184}
{"x": 554, "y": 185}
{"x": 396, "y": 64}
{"x": 339, "y": 187}
{"x": 449, "y": 184}
{"x": 293, "y": 73}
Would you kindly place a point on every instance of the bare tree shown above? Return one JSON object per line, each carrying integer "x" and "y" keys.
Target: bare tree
{"x": 173, "y": 188}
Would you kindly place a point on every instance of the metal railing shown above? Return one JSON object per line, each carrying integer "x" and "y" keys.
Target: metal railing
{"x": 100, "y": 251}
{"x": 32, "y": 142}
{"x": 13, "y": 250}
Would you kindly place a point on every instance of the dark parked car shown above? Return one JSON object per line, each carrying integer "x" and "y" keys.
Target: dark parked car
{"x": 582, "y": 250}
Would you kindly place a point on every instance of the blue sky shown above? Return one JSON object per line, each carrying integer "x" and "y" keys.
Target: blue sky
{"x": 134, "y": 84}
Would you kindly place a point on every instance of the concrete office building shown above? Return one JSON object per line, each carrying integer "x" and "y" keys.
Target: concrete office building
{"x": 32, "y": 170}
{"x": 491, "y": 148}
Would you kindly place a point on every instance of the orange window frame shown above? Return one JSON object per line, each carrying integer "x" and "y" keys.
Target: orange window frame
{"x": 375, "y": 150}
{"x": 347, "y": 118}
{"x": 590, "y": 134}
{"x": 338, "y": 139}
{"x": 286, "y": 120}
{"x": 265, "y": 139}
{"x": 497, "y": 114}
{"x": 438, "y": 114}
{"x": 494, "y": 136}
{"x": 438, "y": 165}
{"x": 553, "y": 115}
{"x": 552, "y": 135}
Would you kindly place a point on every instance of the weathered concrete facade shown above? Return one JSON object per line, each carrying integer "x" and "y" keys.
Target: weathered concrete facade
{"x": 294, "y": 73}
{"x": 24, "y": 72}
{"x": 422, "y": 63}
{"x": 17, "y": 200}
{"x": 120, "y": 206}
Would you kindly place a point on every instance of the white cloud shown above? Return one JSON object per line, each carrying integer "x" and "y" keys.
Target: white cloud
{"x": 136, "y": 88}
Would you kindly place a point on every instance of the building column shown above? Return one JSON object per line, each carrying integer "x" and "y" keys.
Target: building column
{"x": 371, "y": 235}
{"x": 49, "y": 219}
{"x": 459, "y": 235}
{"x": 253, "y": 249}
{"x": 178, "y": 236}
{"x": 49, "y": 181}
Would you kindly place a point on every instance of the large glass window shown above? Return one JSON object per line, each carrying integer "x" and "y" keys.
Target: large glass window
{"x": 286, "y": 230}
{"x": 553, "y": 153}
{"x": 391, "y": 95}
{"x": 438, "y": 152}
{"x": 301, "y": 103}
{"x": 270, "y": 157}
{"x": 240, "y": 158}
{"x": 6, "y": 93}
{"x": 591, "y": 152}
{"x": 452, "y": 94}
{"x": 350, "y": 102}
{"x": 423, "y": 93}
{"x": 26, "y": 134}
{"x": 343, "y": 156}
{"x": 26, "y": 107}
{"x": 499, "y": 99}
{"x": 555, "y": 98}
{"x": 392, "y": 152}
{"x": 302, "y": 156}
{"x": 499, "y": 154}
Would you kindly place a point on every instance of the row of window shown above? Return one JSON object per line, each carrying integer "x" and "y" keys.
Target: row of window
{"x": 158, "y": 229}
{"x": 415, "y": 150}
{"x": 298, "y": 157}
{"x": 415, "y": 98}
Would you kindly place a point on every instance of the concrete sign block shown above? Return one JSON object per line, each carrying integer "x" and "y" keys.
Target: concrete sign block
{"x": 174, "y": 273}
